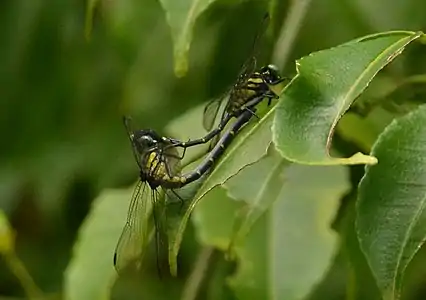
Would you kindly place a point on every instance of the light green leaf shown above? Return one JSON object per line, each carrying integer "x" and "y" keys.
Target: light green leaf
{"x": 175, "y": 212}
{"x": 392, "y": 195}
{"x": 181, "y": 16}
{"x": 259, "y": 186}
{"x": 210, "y": 230}
{"x": 275, "y": 260}
{"x": 298, "y": 222}
{"x": 91, "y": 274}
{"x": 327, "y": 83}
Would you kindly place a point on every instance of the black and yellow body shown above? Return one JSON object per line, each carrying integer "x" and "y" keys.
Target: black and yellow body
{"x": 158, "y": 163}
{"x": 242, "y": 98}
{"x": 211, "y": 158}
{"x": 159, "y": 166}
{"x": 252, "y": 87}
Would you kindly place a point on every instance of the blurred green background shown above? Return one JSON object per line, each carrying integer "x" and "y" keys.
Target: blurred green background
{"x": 62, "y": 98}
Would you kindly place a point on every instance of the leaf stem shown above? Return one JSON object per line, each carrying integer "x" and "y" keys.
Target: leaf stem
{"x": 289, "y": 30}
{"x": 18, "y": 269}
{"x": 194, "y": 281}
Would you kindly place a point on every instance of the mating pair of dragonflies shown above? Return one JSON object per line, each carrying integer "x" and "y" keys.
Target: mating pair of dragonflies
{"x": 159, "y": 161}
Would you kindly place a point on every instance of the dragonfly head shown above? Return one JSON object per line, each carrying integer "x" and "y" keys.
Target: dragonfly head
{"x": 270, "y": 74}
{"x": 145, "y": 139}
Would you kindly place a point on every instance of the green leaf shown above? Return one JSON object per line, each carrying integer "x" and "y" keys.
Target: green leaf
{"x": 298, "y": 222}
{"x": 211, "y": 231}
{"x": 91, "y": 274}
{"x": 259, "y": 186}
{"x": 275, "y": 260}
{"x": 392, "y": 194}
{"x": 175, "y": 212}
{"x": 327, "y": 83}
{"x": 181, "y": 16}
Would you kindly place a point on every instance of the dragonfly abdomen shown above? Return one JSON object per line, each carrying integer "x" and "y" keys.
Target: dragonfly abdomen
{"x": 181, "y": 180}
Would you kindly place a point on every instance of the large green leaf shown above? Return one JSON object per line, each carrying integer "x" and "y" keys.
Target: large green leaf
{"x": 175, "y": 212}
{"x": 258, "y": 195}
{"x": 298, "y": 222}
{"x": 91, "y": 273}
{"x": 391, "y": 223}
{"x": 327, "y": 83}
{"x": 181, "y": 16}
{"x": 275, "y": 260}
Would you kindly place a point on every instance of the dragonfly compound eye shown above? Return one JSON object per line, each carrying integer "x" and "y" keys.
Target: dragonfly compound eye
{"x": 143, "y": 140}
{"x": 270, "y": 74}
{"x": 146, "y": 140}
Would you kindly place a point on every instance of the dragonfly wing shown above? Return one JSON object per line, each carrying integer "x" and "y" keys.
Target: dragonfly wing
{"x": 171, "y": 159}
{"x": 160, "y": 224}
{"x": 135, "y": 235}
{"x": 210, "y": 113}
{"x": 250, "y": 64}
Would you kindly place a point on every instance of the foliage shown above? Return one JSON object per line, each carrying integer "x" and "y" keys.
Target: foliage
{"x": 296, "y": 208}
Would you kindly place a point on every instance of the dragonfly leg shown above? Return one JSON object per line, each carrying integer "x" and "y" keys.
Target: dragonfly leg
{"x": 279, "y": 80}
{"x": 182, "y": 202}
{"x": 270, "y": 95}
{"x": 173, "y": 155}
{"x": 252, "y": 110}
{"x": 169, "y": 172}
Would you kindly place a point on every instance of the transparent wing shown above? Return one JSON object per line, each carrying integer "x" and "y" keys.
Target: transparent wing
{"x": 246, "y": 71}
{"x": 171, "y": 158}
{"x": 249, "y": 66}
{"x": 136, "y": 233}
{"x": 160, "y": 224}
{"x": 210, "y": 113}
{"x": 212, "y": 109}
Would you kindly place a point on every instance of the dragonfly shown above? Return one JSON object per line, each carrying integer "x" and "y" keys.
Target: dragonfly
{"x": 159, "y": 167}
{"x": 251, "y": 87}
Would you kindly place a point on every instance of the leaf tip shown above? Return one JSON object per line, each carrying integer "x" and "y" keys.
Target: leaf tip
{"x": 173, "y": 268}
{"x": 360, "y": 158}
{"x": 422, "y": 38}
{"x": 181, "y": 64}
{"x": 7, "y": 236}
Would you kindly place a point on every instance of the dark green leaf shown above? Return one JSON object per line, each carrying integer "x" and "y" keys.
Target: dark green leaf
{"x": 327, "y": 83}
{"x": 390, "y": 214}
{"x": 360, "y": 282}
